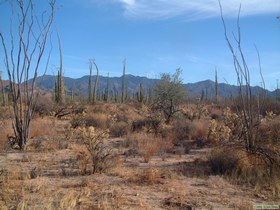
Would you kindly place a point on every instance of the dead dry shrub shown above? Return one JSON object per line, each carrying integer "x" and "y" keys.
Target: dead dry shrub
{"x": 71, "y": 199}
{"x": 269, "y": 130}
{"x": 42, "y": 127}
{"x": 180, "y": 131}
{"x": 5, "y": 113}
{"x": 119, "y": 129}
{"x": 97, "y": 120}
{"x": 246, "y": 168}
{"x": 199, "y": 130}
{"x": 50, "y": 139}
{"x": 149, "y": 124}
{"x": 148, "y": 176}
{"x": 177, "y": 202}
{"x": 222, "y": 162}
{"x": 44, "y": 105}
{"x": 216, "y": 113}
{"x": 270, "y": 105}
{"x": 12, "y": 188}
{"x": 5, "y": 131}
{"x": 78, "y": 121}
{"x": 148, "y": 145}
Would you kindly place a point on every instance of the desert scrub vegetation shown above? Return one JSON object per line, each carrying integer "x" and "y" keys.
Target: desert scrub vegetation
{"x": 147, "y": 145}
{"x": 99, "y": 154}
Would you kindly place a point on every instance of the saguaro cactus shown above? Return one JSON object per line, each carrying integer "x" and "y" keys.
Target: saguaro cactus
{"x": 140, "y": 93}
{"x": 123, "y": 81}
{"x": 59, "y": 87}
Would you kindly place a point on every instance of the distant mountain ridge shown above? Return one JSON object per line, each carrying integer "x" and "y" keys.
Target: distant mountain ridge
{"x": 207, "y": 87}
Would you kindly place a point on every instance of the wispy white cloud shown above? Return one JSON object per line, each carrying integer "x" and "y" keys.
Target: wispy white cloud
{"x": 199, "y": 9}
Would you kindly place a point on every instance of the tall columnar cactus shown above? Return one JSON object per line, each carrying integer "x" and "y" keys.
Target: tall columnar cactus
{"x": 107, "y": 90}
{"x": 123, "y": 82}
{"x": 59, "y": 89}
{"x": 73, "y": 92}
{"x": 115, "y": 94}
{"x": 140, "y": 96}
{"x": 216, "y": 85}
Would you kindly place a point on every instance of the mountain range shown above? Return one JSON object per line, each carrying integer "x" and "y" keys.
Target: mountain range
{"x": 46, "y": 83}
{"x": 207, "y": 87}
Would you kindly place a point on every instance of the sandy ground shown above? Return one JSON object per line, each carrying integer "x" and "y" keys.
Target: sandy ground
{"x": 53, "y": 180}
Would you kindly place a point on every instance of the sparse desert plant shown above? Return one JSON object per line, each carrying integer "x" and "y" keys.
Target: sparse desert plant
{"x": 147, "y": 176}
{"x": 198, "y": 130}
{"x": 180, "y": 131}
{"x": 148, "y": 124}
{"x": 42, "y": 127}
{"x": 83, "y": 158}
{"x": 77, "y": 121}
{"x": 119, "y": 129}
{"x": 97, "y": 120}
{"x": 218, "y": 133}
{"x": 101, "y": 156}
{"x": 245, "y": 168}
{"x": 222, "y": 162}
{"x": 43, "y": 105}
{"x": 169, "y": 93}
{"x": 148, "y": 145}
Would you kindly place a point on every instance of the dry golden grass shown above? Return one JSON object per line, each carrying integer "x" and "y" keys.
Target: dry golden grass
{"x": 199, "y": 130}
{"x": 147, "y": 145}
{"x": 42, "y": 127}
{"x": 98, "y": 120}
{"x": 5, "y": 130}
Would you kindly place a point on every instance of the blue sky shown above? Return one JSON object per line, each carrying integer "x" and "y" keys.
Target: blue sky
{"x": 156, "y": 36}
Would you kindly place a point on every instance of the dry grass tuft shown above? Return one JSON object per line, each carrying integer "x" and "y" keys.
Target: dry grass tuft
{"x": 42, "y": 127}
{"x": 119, "y": 129}
{"x": 149, "y": 176}
{"x": 147, "y": 145}
{"x": 246, "y": 168}
{"x": 199, "y": 130}
{"x": 97, "y": 120}
{"x": 69, "y": 201}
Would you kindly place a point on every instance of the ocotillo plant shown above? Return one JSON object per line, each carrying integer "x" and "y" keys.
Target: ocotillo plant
{"x": 107, "y": 91}
{"x": 216, "y": 86}
{"x": 2, "y": 91}
{"x": 95, "y": 83}
{"x": 30, "y": 33}
{"x": 90, "y": 83}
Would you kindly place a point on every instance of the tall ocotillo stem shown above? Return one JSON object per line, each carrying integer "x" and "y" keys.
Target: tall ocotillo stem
{"x": 95, "y": 83}
{"x": 90, "y": 83}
